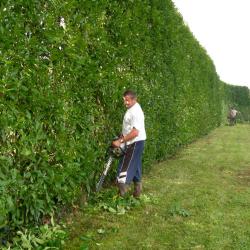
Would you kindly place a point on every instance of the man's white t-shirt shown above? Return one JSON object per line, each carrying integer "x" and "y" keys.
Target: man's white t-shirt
{"x": 233, "y": 113}
{"x": 134, "y": 118}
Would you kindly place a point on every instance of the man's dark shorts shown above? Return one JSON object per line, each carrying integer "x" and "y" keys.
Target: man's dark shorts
{"x": 130, "y": 165}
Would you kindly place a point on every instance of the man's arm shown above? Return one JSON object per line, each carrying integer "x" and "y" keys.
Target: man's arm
{"x": 130, "y": 136}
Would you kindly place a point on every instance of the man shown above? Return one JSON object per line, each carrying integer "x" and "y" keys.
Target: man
{"x": 134, "y": 135}
{"x": 232, "y": 116}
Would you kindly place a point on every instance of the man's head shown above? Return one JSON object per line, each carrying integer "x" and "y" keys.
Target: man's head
{"x": 129, "y": 98}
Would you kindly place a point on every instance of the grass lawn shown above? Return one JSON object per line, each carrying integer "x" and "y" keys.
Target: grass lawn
{"x": 199, "y": 199}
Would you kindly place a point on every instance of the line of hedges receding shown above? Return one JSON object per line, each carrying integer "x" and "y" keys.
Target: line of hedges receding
{"x": 61, "y": 88}
{"x": 239, "y": 98}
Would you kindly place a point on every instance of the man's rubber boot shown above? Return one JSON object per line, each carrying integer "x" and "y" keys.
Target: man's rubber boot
{"x": 137, "y": 189}
{"x": 123, "y": 188}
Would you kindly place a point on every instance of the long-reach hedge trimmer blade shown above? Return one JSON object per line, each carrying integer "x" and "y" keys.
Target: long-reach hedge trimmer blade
{"x": 113, "y": 153}
{"x": 104, "y": 174}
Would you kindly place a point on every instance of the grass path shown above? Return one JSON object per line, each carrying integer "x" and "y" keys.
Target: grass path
{"x": 200, "y": 199}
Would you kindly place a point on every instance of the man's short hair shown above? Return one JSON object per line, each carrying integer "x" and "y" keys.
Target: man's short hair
{"x": 130, "y": 93}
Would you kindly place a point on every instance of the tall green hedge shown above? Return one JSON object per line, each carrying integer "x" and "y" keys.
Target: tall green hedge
{"x": 239, "y": 98}
{"x": 61, "y": 89}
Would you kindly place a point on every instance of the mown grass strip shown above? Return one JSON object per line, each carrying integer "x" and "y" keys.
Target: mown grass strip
{"x": 197, "y": 200}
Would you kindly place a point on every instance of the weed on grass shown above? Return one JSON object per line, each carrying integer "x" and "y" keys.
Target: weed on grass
{"x": 101, "y": 217}
{"x": 177, "y": 210}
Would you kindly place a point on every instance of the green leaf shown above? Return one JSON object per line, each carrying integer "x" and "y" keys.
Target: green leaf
{"x": 101, "y": 231}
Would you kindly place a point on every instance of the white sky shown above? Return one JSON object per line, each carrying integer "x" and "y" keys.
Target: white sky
{"x": 222, "y": 27}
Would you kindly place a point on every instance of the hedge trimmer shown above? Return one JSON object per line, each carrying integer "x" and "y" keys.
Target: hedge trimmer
{"x": 113, "y": 153}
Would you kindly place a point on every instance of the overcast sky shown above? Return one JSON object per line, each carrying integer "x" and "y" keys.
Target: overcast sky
{"x": 223, "y": 28}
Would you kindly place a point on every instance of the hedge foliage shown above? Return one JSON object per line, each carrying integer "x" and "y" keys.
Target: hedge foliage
{"x": 64, "y": 67}
{"x": 239, "y": 98}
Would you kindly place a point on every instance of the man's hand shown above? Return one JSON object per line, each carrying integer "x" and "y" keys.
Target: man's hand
{"x": 116, "y": 143}
{"x": 130, "y": 136}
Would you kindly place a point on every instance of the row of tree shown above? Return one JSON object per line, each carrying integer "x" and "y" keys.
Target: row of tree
{"x": 64, "y": 67}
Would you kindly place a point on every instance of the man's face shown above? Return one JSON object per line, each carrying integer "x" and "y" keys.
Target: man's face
{"x": 128, "y": 101}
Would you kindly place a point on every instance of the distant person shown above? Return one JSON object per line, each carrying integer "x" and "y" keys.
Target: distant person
{"x": 134, "y": 135}
{"x": 232, "y": 116}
